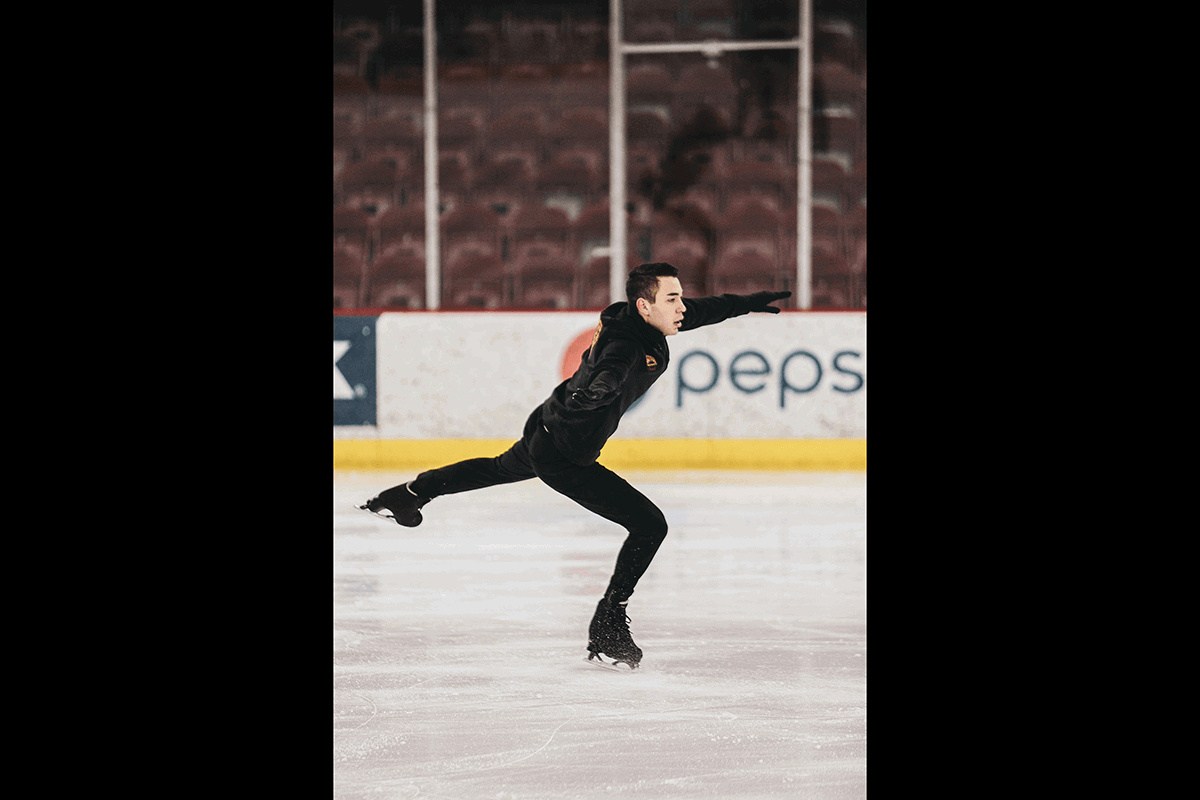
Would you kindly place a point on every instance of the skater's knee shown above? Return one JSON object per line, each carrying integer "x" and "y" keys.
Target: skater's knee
{"x": 655, "y": 526}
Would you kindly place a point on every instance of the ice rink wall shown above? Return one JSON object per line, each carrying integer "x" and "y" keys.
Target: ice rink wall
{"x": 774, "y": 392}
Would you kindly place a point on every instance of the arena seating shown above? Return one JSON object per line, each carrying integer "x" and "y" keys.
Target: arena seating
{"x": 522, "y": 164}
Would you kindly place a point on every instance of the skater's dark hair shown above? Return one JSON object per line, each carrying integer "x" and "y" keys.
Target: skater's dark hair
{"x": 643, "y": 281}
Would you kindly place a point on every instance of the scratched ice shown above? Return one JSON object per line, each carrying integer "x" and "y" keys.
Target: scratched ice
{"x": 459, "y": 646}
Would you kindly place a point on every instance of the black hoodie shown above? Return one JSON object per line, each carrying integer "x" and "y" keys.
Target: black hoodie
{"x": 627, "y": 356}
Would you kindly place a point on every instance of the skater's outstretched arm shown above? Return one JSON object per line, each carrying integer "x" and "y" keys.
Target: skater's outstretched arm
{"x": 701, "y": 311}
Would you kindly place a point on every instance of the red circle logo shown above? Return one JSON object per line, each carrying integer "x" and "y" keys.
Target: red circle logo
{"x": 575, "y": 351}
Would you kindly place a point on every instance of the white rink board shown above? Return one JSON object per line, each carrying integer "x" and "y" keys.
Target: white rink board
{"x": 478, "y": 375}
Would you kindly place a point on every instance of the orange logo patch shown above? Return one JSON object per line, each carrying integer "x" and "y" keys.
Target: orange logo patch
{"x": 595, "y": 338}
{"x": 651, "y": 364}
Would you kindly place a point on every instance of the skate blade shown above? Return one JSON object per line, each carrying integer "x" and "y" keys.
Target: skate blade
{"x": 385, "y": 514}
{"x": 611, "y": 666}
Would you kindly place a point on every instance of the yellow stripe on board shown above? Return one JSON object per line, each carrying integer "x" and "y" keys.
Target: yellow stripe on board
{"x": 823, "y": 455}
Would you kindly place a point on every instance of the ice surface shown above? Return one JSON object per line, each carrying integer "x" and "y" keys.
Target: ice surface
{"x": 459, "y": 646}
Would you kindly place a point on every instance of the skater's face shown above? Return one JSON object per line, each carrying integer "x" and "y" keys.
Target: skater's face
{"x": 666, "y": 312}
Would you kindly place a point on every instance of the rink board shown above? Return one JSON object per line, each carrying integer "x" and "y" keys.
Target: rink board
{"x": 619, "y": 454}
{"x": 784, "y": 391}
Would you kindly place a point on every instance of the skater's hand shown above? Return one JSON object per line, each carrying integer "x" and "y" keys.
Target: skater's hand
{"x": 605, "y": 382}
{"x": 603, "y": 389}
{"x": 758, "y": 301}
{"x": 593, "y": 397}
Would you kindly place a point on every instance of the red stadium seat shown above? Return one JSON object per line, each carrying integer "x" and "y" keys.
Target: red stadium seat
{"x": 649, "y": 84}
{"x": 585, "y": 127}
{"x": 756, "y": 224}
{"x": 528, "y": 43}
{"x": 829, "y": 182}
{"x": 372, "y": 184}
{"x": 572, "y": 177}
{"x": 593, "y": 222}
{"x": 351, "y": 96}
{"x": 839, "y": 42}
{"x": 345, "y": 138}
{"x": 345, "y": 54}
{"x": 351, "y": 230}
{"x": 456, "y": 178}
{"x": 524, "y": 82}
{"x": 772, "y": 138}
{"x": 592, "y": 229}
{"x": 855, "y": 230}
{"x": 593, "y": 288}
{"x": 542, "y": 227}
{"x": 836, "y": 85}
{"x": 461, "y": 129}
{"x": 702, "y": 199}
{"x": 745, "y": 272}
{"x": 464, "y": 85}
{"x": 692, "y": 263}
{"x": 403, "y": 98}
{"x": 836, "y": 134}
{"x": 666, "y": 10}
{"x": 827, "y": 229}
{"x": 704, "y": 85}
{"x": 647, "y": 129}
{"x": 856, "y": 252}
{"x": 856, "y": 184}
{"x": 858, "y": 269}
{"x": 475, "y": 279}
{"x": 753, "y": 214}
{"x": 478, "y": 42}
{"x": 584, "y": 83}
{"x": 710, "y": 19}
{"x": 390, "y": 136}
{"x": 585, "y": 42}
{"x": 544, "y": 280}
{"x": 594, "y": 279}
{"x": 681, "y": 228}
{"x": 396, "y": 281}
{"x": 505, "y": 183}
{"x": 473, "y": 227}
{"x": 831, "y": 280}
{"x": 769, "y": 179}
{"x": 401, "y": 229}
{"x": 643, "y": 167}
{"x": 651, "y": 31}
{"x": 348, "y": 268}
{"x": 519, "y": 131}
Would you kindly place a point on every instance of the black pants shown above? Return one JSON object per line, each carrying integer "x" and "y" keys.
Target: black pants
{"x": 594, "y": 487}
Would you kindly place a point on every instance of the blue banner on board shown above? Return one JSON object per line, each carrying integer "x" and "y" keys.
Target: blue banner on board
{"x": 354, "y": 370}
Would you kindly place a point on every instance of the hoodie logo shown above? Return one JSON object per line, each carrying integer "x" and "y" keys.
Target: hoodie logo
{"x": 651, "y": 364}
{"x": 595, "y": 338}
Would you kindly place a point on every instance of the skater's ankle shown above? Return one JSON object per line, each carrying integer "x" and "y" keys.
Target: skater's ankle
{"x": 415, "y": 491}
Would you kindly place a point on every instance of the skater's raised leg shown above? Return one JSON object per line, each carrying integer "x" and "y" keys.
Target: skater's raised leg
{"x": 399, "y": 503}
{"x": 403, "y": 503}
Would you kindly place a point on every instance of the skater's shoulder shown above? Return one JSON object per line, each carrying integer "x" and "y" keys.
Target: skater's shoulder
{"x": 614, "y": 313}
{"x": 617, "y": 323}
{"x": 624, "y": 333}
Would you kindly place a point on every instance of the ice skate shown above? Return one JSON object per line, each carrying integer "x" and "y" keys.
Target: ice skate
{"x": 400, "y": 504}
{"x": 608, "y": 635}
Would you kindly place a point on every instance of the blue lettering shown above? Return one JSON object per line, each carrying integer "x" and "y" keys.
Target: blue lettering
{"x": 716, "y": 374}
{"x": 839, "y": 368}
{"x": 764, "y": 368}
{"x": 783, "y": 381}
